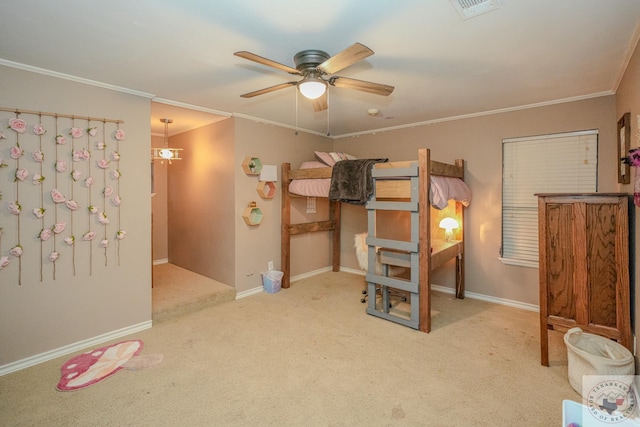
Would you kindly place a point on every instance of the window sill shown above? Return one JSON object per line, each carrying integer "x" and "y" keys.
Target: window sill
{"x": 519, "y": 262}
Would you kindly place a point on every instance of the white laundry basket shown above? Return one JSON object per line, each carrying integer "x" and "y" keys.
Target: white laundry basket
{"x": 590, "y": 354}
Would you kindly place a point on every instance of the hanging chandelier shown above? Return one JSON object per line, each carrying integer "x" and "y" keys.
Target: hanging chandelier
{"x": 166, "y": 153}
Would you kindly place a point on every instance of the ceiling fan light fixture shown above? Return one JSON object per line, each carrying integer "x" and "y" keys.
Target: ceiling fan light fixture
{"x": 312, "y": 87}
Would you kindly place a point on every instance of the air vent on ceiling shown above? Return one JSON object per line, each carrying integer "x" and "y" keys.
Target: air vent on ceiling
{"x": 471, "y": 8}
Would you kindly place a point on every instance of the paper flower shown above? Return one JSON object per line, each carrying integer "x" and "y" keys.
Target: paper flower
{"x": 116, "y": 201}
{"x": 88, "y": 182}
{"x": 121, "y": 234}
{"x": 16, "y": 152}
{"x": 14, "y": 207}
{"x": 39, "y": 130}
{"x": 76, "y": 174}
{"x": 76, "y": 132}
{"x": 57, "y": 196}
{"x": 79, "y": 155}
{"x": 39, "y": 212}
{"x": 59, "y": 227}
{"x": 115, "y": 156}
{"x": 89, "y": 235}
{"x": 72, "y": 205}
{"x": 102, "y": 218}
{"x": 92, "y": 209}
{"x": 37, "y": 179}
{"x": 119, "y": 135}
{"x": 21, "y": 174}
{"x": 38, "y": 156}
{"x": 92, "y": 131}
{"x": 108, "y": 192}
{"x": 101, "y": 145}
{"x": 104, "y": 243}
{"x": 18, "y": 125}
{"x": 61, "y": 166}
{"x": 4, "y": 261}
{"x": 45, "y": 234}
{"x": 61, "y": 140}
{"x": 16, "y": 250}
{"x": 53, "y": 256}
{"x": 70, "y": 240}
{"x": 115, "y": 174}
{"x": 103, "y": 163}
{"x": 3, "y": 136}
{"x": 2, "y": 163}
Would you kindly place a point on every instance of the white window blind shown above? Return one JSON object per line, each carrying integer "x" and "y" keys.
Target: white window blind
{"x": 560, "y": 163}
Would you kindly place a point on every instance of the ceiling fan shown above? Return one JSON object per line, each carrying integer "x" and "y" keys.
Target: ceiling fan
{"x": 315, "y": 67}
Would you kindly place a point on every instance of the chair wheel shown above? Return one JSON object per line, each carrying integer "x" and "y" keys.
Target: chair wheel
{"x": 364, "y": 292}
{"x": 363, "y": 300}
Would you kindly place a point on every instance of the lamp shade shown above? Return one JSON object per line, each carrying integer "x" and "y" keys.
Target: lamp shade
{"x": 312, "y": 88}
{"x": 448, "y": 224}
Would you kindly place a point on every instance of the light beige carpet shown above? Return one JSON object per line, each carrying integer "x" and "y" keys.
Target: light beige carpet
{"x": 177, "y": 292}
{"x": 310, "y": 356}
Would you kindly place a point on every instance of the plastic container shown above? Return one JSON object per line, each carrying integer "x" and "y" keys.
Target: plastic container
{"x": 590, "y": 354}
{"x": 272, "y": 281}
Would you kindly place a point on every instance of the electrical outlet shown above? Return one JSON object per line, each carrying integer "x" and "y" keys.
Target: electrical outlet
{"x": 270, "y": 265}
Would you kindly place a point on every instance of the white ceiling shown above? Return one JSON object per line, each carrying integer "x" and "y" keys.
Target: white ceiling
{"x": 527, "y": 52}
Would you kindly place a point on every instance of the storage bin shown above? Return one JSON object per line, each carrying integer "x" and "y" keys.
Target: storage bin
{"x": 590, "y": 354}
{"x": 272, "y": 281}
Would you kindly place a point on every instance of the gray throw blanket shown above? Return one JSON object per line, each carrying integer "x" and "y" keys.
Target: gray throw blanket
{"x": 351, "y": 180}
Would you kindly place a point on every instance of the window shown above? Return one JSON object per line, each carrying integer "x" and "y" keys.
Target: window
{"x": 560, "y": 163}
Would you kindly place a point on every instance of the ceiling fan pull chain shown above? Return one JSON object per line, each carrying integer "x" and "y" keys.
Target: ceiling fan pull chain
{"x": 328, "y": 113}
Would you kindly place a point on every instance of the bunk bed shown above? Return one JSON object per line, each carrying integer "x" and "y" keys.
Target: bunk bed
{"x": 401, "y": 186}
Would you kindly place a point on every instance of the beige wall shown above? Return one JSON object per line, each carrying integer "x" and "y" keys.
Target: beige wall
{"x": 201, "y": 200}
{"x": 41, "y": 315}
{"x": 479, "y": 141}
{"x": 160, "y": 247}
{"x": 628, "y": 101}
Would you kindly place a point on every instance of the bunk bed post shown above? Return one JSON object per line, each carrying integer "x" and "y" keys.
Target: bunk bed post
{"x": 424, "y": 292}
{"x": 335, "y": 220}
{"x": 460, "y": 258}
{"x": 285, "y": 243}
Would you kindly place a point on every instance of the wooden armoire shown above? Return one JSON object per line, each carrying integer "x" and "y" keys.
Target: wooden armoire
{"x": 584, "y": 265}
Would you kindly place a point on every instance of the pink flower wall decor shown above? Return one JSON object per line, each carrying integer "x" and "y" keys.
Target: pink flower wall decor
{"x": 76, "y": 132}
{"x": 16, "y": 251}
{"x": 22, "y": 174}
{"x": 121, "y": 234}
{"x": 102, "y": 218}
{"x": 79, "y": 155}
{"x": 4, "y": 261}
{"x": 61, "y": 166}
{"x": 115, "y": 156}
{"x": 119, "y": 135}
{"x": 39, "y": 130}
{"x": 14, "y": 207}
{"x": 88, "y": 182}
{"x": 104, "y": 243}
{"x": 38, "y": 156}
{"x": 103, "y": 163}
{"x": 38, "y": 179}
{"x": 57, "y": 196}
{"x": 92, "y": 209}
{"x": 72, "y": 205}
{"x": 76, "y": 174}
{"x": 45, "y": 234}
{"x": 70, "y": 240}
{"x": 115, "y": 174}
{"x": 16, "y": 152}
{"x": 101, "y": 145}
{"x": 53, "y": 256}
{"x": 108, "y": 192}
{"x": 116, "y": 201}
{"x": 18, "y": 125}
{"x": 3, "y": 136}
{"x": 39, "y": 212}
{"x": 89, "y": 235}
{"x": 92, "y": 131}
{"x": 59, "y": 227}
{"x": 61, "y": 140}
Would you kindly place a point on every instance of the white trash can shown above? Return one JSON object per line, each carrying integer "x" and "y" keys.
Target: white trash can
{"x": 272, "y": 281}
{"x": 590, "y": 354}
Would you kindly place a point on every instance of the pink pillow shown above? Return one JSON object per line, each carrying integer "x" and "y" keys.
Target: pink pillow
{"x": 331, "y": 158}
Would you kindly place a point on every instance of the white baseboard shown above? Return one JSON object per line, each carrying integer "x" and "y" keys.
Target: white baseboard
{"x": 72, "y": 348}
{"x": 160, "y": 261}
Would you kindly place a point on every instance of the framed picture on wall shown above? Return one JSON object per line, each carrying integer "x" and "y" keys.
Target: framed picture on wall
{"x": 624, "y": 135}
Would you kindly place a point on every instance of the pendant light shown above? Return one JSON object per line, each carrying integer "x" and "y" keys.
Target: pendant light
{"x": 166, "y": 153}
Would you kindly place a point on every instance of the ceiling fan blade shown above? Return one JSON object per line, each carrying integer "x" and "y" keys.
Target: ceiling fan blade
{"x": 354, "y": 53}
{"x": 268, "y": 89}
{"x": 374, "y": 88}
{"x": 264, "y": 61}
{"x": 320, "y": 103}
